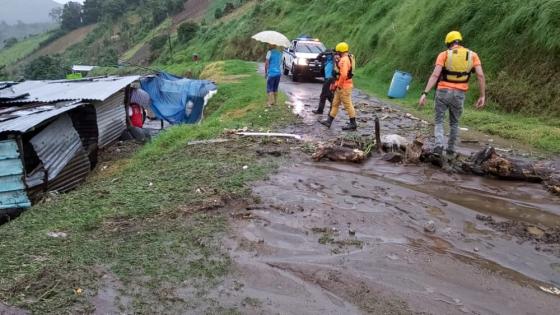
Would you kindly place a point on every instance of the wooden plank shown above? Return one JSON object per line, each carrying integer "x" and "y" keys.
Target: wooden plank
{"x": 14, "y": 199}
{"x": 8, "y": 150}
{"x": 11, "y": 183}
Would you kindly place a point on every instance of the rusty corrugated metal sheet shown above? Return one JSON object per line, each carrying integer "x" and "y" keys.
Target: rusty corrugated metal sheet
{"x": 28, "y": 117}
{"x": 74, "y": 173}
{"x": 95, "y": 89}
{"x": 111, "y": 119}
{"x": 56, "y": 145}
{"x": 12, "y": 188}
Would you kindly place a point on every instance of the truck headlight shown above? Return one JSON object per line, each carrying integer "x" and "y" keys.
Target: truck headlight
{"x": 301, "y": 61}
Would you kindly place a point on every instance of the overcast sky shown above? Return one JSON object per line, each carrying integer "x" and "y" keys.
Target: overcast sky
{"x": 64, "y": 1}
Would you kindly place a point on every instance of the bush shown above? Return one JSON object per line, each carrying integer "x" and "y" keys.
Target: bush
{"x": 46, "y": 68}
{"x": 10, "y": 42}
{"x": 218, "y": 13}
{"x": 187, "y": 31}
{"x": 228, "y": 8}
{"x": 158, "y": 42}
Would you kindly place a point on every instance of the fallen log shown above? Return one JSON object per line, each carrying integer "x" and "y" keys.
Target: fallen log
{"x": 339, "y": 154}
{"x": 488, "y": 162}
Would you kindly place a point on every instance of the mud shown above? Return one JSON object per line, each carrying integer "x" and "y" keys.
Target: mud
{"x": 334, "y": 238}
{"x": 8, "y": 310}
{"x": 544, "y": 239}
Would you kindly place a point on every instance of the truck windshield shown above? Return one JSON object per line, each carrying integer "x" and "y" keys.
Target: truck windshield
{"x": 310, "y": 47}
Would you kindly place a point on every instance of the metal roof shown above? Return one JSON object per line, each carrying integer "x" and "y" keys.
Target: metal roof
{"x": 25, "y": 118}
{"x": 91, "y": 89}
{"x": 82, "y": 68}
{"x": 56, "y": 145}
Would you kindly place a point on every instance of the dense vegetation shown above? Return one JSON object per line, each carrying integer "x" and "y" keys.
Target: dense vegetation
{"x": 514, "y": 39}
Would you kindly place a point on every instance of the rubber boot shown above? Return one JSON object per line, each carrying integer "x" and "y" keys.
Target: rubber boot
{"x": 328, "y": 122}
{"x": 351, "y": 126}
{"x": 275, "y": 98}
{"x": 319, "y": 110}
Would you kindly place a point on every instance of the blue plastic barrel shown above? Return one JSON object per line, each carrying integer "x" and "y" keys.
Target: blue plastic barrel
{"x": 399, "y": 84}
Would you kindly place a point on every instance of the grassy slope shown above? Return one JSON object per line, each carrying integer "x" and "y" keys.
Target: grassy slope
{"x": 386, "y": 36}
{"x": 135, "y": 219}
{"x": 21, "y": 49}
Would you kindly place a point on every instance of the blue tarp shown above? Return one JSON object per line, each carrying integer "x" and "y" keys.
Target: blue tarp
{"x": 178, "y": 100}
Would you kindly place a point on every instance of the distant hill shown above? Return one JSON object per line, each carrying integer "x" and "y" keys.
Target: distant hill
{"x": 27, "y": 11}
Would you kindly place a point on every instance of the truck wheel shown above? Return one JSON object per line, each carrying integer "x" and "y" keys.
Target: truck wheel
{"x": 286, "y": 70}
{"x": 295, "y": 75}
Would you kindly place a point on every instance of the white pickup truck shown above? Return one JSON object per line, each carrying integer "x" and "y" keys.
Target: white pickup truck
{"x": 300, "y": 59}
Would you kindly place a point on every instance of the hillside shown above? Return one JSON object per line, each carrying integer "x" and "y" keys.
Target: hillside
{"x": 28, "y": 11}
{"x": 386, "y": 35}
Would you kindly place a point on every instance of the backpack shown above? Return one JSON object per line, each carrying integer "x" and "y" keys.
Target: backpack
{"x": 458, "y": 66}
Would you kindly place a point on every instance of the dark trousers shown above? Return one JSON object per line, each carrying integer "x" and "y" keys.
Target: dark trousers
{"x": 326, "y": 94}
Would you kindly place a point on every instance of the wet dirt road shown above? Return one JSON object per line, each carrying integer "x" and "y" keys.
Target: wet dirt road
{"x": 333, "y": 238}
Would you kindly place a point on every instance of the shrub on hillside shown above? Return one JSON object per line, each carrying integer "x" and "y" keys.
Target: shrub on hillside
{"x": 45, "y": 68}
{"x": 228, "y": 8}
{"x": 187, "y": 31}
{"x": 218, "y": 13}
{"x": 10, "y": 42}
{"x": 158, "y": 42}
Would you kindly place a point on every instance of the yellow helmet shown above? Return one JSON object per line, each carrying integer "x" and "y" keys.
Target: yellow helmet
{"x": 453, "y": 36}
{"x": 342, "y": 47}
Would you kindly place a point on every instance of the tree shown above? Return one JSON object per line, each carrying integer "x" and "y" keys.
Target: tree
{"x": 228, "y": 8}
{"x": 56, "y": 14}
{"x": 187, "y": 31}
{"x": 91, "y": 11}
{"x": 71, "y": 16}
{"x": 113, "y": 8}
{"x": 10, "y": 42}
{"x": 45, "y": 68}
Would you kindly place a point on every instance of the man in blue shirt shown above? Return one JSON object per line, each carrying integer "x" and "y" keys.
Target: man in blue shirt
{"x": 327, "y": 58}
{"x": 273, "y": 72}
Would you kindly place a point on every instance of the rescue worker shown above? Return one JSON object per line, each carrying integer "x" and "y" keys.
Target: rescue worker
{"x": 272, "y": 70}
{"x": 342, "y": 87}
{"x": 451, "y": 74}
{"x": 327, "y": 58}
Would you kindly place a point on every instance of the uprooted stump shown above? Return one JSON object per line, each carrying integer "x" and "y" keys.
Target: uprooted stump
{"x": 488, "y": 162}
{"x": 339, "y": 154}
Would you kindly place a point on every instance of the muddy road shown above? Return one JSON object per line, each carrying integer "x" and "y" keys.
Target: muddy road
{"x": 334, "y": 238}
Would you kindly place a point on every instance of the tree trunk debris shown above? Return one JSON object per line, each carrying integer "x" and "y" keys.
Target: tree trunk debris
{"x": 339, "y": 153}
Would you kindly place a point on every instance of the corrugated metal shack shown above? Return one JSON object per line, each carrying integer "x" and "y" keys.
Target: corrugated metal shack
{"x": 50, "y": 133}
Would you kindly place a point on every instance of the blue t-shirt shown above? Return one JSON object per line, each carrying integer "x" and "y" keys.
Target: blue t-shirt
{"x": 274, "y": 57}
{"x": 329, "y": 67}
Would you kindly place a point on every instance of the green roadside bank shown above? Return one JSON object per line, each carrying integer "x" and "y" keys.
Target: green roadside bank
{"x": 541, "y": 133}
{"x": 150, "y": 221}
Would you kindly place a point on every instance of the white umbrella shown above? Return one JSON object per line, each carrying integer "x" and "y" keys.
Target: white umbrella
{"x": 272, "y": 37}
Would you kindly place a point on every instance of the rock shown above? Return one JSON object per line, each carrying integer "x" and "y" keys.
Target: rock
{"x": 57, "y": 234}
{"x": 430, "y": 227}
{"x": 476, "y": 249}
{"x": 535, "y": 232}
{"x": 393, "y": 157}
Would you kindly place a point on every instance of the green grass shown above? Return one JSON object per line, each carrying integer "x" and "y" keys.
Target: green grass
{"x": 541, "y": 133}
{"x": 143, "y": 219}
{"x": 516, "y": 50}
{"x": 21, "y": 49}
